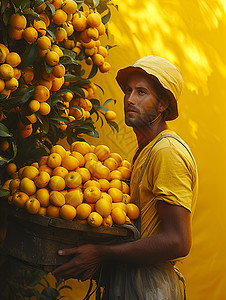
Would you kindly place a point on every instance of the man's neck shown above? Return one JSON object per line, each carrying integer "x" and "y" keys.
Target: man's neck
{"x": 146, "y": 135}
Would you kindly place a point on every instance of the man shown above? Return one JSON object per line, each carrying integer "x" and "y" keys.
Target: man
{"x": 163, "y": 183}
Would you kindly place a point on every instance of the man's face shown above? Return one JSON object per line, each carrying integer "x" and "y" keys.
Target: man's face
{"x": 140, "y": 103}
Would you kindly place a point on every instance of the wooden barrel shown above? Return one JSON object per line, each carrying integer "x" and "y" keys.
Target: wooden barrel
{"x": 35, "y": 239}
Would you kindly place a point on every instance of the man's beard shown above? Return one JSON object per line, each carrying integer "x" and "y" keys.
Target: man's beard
{"x": 142, "y": 121}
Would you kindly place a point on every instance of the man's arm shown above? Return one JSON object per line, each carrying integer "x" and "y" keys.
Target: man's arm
{"x": 172, "y": 241}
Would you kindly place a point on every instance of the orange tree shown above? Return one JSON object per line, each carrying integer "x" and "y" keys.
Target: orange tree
{"x": 50, "y": 50}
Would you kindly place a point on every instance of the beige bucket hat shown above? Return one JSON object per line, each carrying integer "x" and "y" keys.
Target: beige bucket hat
{"x": 162, "y": 70}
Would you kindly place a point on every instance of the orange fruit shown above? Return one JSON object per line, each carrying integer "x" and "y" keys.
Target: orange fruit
{"x": 118, "y": 215}
{"x": 106, "y": 196}
{"x": 27, "y": 186}
{"x": 91, "y": 183}
{"x": 30, "y": 35}
{"x": 116, "y": 174}
{"x": 95, "y": 219}
{"x": 133, "y": 211}
{"x": 54, "y": 160}
{"x": 53, "y": 211}
{"x": 73, "y": 179}
{"x": 70, "y": 162}
{"x": 93, "y": 33}
{"x": 104, "y": 184}
{"x": 56, "y": 183}
{"x": 57, "y": 84}
{"x": 69, "y": 28}
{"x": 125, "y": 172}
{"x": 2, "y": 85}
{"x": 32, "y": 205}
{"x": 41, "y": 93}
{"x": 117, "y": 157}
{"x": 14, "y": 184}
{"x": 56, "y": 198}
{"x": 4, "y": 145}
{"x": 27, "y": 75}
{"x": 105, "y": 67}
{"x": 43, "y": 196}
{"x": 15, "y": 34}
{"x": 94, "y": 20}
{"x": 103, "y": 207}
{"x": 89, "y": 163}
{"x": 18, "y": 21}
{"x": 126, "y": 163}
{"x": 59, "y": 17}
{"x": 99, "y": 171}
{"x": 81, "y": 147}
{"x": 13, "y": 59}
{"x": 111, "y": 163}
{"x": 90, "y": 156}
{"x": 58, "y": 70}
{"x": 74, "y": 197}
{"x": 42, "y": 211}
{"x": 116, "y": 194}
{"x": 57, "y": 3}
{"x": 116, "y": 183}
{"x": 85, "y": 174}
{"x": 98, "y": 59}
{"x": 103, "y": 51}
{"x": 43, "y": 43}
{"x": 79, "y": 157}
{"x": 57, "y": 49}
{"x": 11, "y": 84}
{"x": 45, "y": 18}
{"x": 32, "y": 118}
{"x": 6, "y": 71}
{"x": 107, "y": 221}
{"x": 11, "y": 168}
{"x": 60, "y": 34}
{"x": 101, "y": 29}
{"x": 19, "y": 199}
{"x": 83, "y": 211}
{"x": 46, "y": 168}
{"x": 17, "y": 73}
{"x": 92, "y": 194}
{"x": 58, "y": 149}
{"x": 69, "y": 6}
{"x": 6, "y": 184}
{"x": 102, "y": 152}
{"x": 42, "y": 179}
{"x": 67, "y": 212}
{"x": 122, "y": 205}
{"x": 126, "y": 198}
{"x": 47, "y": 83}
{"x": 44, "y": 108}
{"x": 79, "y": 22}
{"x": 110, "y": 115}
{"x": 60, "y": 171}
{"x": 30, "y": 172}
{"x": 43, "y": 160}
{"x": 40, "y": 26}
{"x": 52, "y": 58}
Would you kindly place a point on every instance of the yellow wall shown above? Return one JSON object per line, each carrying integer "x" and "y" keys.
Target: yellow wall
{"x": 192, "y": 35}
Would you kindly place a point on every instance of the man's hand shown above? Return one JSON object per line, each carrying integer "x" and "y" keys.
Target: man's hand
{"x": 83, "y": 265}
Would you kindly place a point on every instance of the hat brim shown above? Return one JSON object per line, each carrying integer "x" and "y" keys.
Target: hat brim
{"x": 122, "y": 76}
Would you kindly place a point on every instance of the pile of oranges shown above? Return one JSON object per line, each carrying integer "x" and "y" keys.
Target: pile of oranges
{"x": 9, "y": 73}
{"x": 62, "y": 34}
{"x": 85, "y": 184}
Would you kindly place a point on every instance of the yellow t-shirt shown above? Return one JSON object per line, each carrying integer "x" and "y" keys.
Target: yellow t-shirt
{"x": 170, "y": 175}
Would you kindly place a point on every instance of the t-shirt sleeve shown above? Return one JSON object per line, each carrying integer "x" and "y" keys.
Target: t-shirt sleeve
{"x": 172, "y": 177}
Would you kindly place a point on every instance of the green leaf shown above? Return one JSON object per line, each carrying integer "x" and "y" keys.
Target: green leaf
{"x": 78, "y": 91}
{"x": 44, "y": 120}
{"x": 60, "y": 119}
{"x": 109, "y": 100}
{"x": 4, "y": 132}
{"x": 29, "y": 56}
{"x": 113, "y": 125}
{"x": 38, "y": 2}
{"x": 67, "y": 60}
{"x": 80, "y": 4}
{"x": 51, "y": 7}
{"x": 51, "y": 34}
{"x": 70, "y": 53}
{"x": 71, "y": 78}
{"x": 96, "y": 3}
{"x": 93, "y": 134}
{"x": 93, "y": 72}
{"x": 47, "y": 67}
{"x": 107, "y": 17}
{"x": 4, "y": 193}
{"x": 103, "y": 108}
